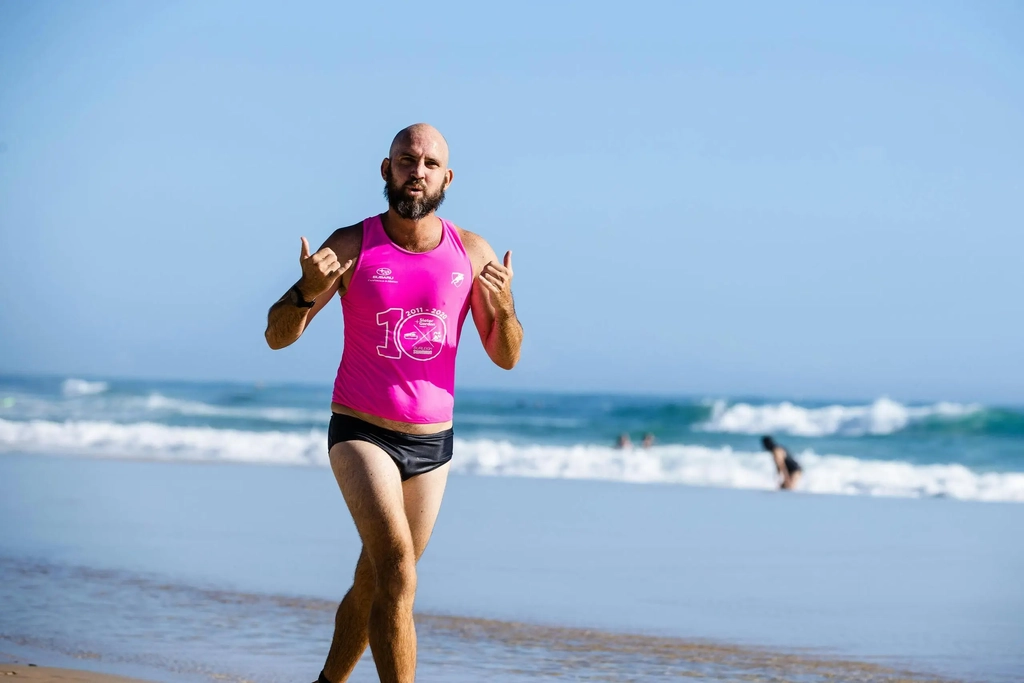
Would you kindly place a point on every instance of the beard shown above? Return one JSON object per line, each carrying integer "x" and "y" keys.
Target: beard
{"x": 411, "y": 208}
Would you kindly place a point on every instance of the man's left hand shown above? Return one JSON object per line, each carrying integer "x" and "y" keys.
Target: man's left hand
{"x": 496, "y": 280}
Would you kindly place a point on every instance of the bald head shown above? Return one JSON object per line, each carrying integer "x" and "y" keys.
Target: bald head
{"x": 423, "y": 138}
{"x": 416, "y": 172}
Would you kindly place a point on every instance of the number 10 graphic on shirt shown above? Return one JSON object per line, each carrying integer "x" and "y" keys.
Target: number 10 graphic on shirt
{"x": 418, "y": 333}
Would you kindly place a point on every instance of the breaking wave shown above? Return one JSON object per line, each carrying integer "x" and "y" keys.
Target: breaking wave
{"x": 80, "y": 387}
{"x": 882, "y": 417}
{"x": 671, "y": 464}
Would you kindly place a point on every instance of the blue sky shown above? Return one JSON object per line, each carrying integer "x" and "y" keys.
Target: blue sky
{"x": 800, "y": 199}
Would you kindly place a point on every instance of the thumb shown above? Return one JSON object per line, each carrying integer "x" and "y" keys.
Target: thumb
{"x": 508, "y": 259}
{"x": 305, "y": 250}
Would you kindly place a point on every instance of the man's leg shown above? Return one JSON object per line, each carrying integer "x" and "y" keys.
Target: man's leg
{"x": 421, "y": 500}
{"x": 351, "y": 634}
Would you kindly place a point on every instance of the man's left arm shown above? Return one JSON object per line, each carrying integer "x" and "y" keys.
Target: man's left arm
{"x": 494, "y": 311}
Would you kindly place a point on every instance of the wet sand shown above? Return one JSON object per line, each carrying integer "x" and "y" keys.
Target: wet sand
{"x": 197, "y": 572}
{"x": 452, "y": 648}
{"x": 518, "y": 651}
{"x": 44, "y": 674}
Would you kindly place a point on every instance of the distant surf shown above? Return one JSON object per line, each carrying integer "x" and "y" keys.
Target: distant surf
{"x": 81, "y": 387}
{"x": 882, "y": 417}
{"x": 694, "y": 465}
{"x": 880, "y": 448}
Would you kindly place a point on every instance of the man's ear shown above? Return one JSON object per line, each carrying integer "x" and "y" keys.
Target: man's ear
{"x": 384, "y": 166}
{"x": 448, "y": 181}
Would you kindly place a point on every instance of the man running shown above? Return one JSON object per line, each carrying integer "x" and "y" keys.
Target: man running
{"x": 406, "y": 279}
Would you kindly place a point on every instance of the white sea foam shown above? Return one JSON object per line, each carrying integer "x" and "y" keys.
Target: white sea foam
{"x": 884, "y": 416}
{"x": 151, "y": 441}
{"x": 81, "y": 387}
{"x": 672, "y": 464}
{"x": 160, "y": 403}
{"x": 91, "y": 404}
{"x": 723, "y": 467}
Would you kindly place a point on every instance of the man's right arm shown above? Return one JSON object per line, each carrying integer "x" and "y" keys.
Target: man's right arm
{"x": 286, "y": 321}
{"x": 323, "y": 275}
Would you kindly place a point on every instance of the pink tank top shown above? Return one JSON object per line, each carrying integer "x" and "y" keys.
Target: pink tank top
{"x": 403, "y": 317}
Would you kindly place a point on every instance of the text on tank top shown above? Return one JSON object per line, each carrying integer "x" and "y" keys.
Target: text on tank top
{"x": 403, "y": 314}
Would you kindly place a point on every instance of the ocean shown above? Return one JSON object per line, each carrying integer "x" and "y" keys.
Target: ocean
{"x": 179, "y": 531}
{"x": 880, "y": 447}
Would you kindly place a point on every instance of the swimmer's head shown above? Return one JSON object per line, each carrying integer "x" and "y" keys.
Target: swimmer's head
{"x": 768, "y": 443}
{"x": 416, "y": 172}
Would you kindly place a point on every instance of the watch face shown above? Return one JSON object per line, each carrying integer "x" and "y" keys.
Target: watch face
{"x": 296, "y": 298}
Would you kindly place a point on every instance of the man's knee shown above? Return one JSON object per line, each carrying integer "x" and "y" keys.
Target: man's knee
{"x": 396, "y": 575}
{"x": 363, "y": 581}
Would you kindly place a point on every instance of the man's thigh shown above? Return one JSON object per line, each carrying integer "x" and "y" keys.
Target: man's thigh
{"x": 423, "y": 494}
{"x": 386, "y": 510}
{"x": 372, "y": 487}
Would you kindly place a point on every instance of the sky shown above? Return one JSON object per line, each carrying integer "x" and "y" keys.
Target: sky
{"x": 795, "y": 199}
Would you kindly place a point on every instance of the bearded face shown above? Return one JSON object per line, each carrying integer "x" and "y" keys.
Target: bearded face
{"x": 409, "y": 205}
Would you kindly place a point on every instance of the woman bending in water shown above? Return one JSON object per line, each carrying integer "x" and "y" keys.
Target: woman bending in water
{"x": 789, "y": 469}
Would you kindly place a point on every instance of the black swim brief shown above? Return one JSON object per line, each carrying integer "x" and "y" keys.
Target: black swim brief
{"x": 413, "y": 453}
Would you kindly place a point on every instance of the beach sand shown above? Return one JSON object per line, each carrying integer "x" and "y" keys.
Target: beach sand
{"x": 44, "y": 674}
{"x": 524, "y": 579}
{"x": 478, "y": 649}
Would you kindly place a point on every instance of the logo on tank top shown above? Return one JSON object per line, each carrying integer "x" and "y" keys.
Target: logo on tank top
{"x": 383, "y": 275}
{"x": 419, "y": 333}
{"x": 457, "y": 279}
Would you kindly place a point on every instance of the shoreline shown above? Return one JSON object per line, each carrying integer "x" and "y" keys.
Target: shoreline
{"x": 587, "y": 653}
{"x": 15, "y": 672}
{"x": 921, "y": 585}
{"x": 473, "y": 473}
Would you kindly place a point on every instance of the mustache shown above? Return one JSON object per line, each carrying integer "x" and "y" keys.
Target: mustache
{"x": 409, "y": 206}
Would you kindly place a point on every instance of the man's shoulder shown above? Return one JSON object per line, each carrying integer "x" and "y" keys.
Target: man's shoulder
{"x": 474, "y": 244}
{"x": 347, "y": 240}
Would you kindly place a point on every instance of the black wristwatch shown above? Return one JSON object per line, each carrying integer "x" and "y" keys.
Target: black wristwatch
{"x": 297, "y": 299}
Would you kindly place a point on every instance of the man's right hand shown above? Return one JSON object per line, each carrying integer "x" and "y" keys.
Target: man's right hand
{"x": 319, "y": 271}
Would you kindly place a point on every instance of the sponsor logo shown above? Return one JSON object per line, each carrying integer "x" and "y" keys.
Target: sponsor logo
{"x": 457, "y": 279}
{"x": 421, "y": 333}
{"x": 383, "y": 275}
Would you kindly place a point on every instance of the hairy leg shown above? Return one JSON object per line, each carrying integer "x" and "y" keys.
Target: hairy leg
{"x": 421, "y": 499}
{"x": 351, "y": 635}
{"x": 423, "y": 494}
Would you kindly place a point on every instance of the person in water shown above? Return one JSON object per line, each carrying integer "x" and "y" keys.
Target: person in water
{"x": 789, "y": 469}
{"x": 406, "y": 280}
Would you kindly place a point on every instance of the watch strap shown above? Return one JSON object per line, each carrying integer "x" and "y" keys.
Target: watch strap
{"x": 298, "y": 300}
